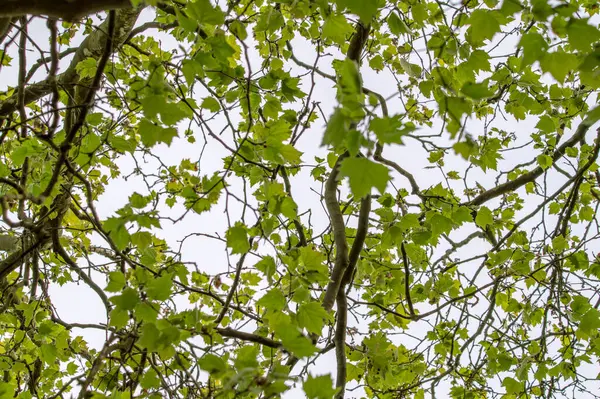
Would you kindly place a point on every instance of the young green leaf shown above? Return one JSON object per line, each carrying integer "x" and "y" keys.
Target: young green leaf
{"x": 237, "y": 239}
{"x": 319, "y": 387}
{"x": 312, "y": 316}
{"x": 364, "y": 175}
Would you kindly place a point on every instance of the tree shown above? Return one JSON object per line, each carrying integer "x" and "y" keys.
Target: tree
{"x": 382, "y": 199}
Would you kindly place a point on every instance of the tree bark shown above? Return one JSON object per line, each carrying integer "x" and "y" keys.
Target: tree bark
{"x": 61, "y": 9}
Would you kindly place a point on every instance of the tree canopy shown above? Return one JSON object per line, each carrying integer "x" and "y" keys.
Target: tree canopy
{"x": 299, "y": 198}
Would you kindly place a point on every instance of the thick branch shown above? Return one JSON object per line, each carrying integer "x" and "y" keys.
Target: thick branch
{"x": 340, "y": 343}
{"x": 333, "y": 207}
{"x": 339, "y": 236}
{"x": 62, "y": 9}
{"x": 244, "y": 336}
{"x": 359, "y": 241}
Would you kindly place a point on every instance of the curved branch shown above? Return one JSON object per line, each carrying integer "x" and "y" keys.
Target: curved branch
{"x": 535, "y": 173}
{"x": 339, "y": 236}
{"x": 60, "y": 251}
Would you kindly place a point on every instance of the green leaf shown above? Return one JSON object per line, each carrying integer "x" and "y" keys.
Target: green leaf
{"x": 480, "y": 61}
{"x": 456, "y": 107}
{"x": 211, "y": 104}
{"x": 593, "y": 116}
{"x": 320, "y": 387}
{"x": 145, "y": 312}
{"x": 465, "y": 148}
{"x": 116, "y": 282}
{"x": 581, "y": 34}
{"x": 295, "y": 342}
{"x": 273, "y": 300}
{"x": 484, "y": 217}
{"x": 337, "y": 28}
{"x": 484, "y": 25}
{"x": 205, "y": 13}
{"x": 559, "y": 244}
{"x": 49, "y": 353}
{"x": 462, "y": 215}
{"x": 312, "y": 317}
{"x": 336, "y": 129}
{"x": 159, "y": 288}
{"x": 150, "y": 379}
{"x": 138, "y": 201}
{"x": 590, "y": 322}
{"x": 441, "y": 224}
{"x": 127, "y": 300}
{"x": 363, "y": 175}
{"x": 237, "y": 239}
{"x": 419, "y": 12}
{"x": 152, "y": 134}
{"x": 118, "y": 232}
{"x": 546, "y": 124}
{"x": 534, "y": 47}
{"x": 397, "y": 25}
{"x": 149, "y": 337}
{"x": 421, "y": 237}
{"x": 366, "y": 10}
{"x": 513, "y": 387}
{"x": 267, "y": 265}
{"x": 118, "y": 318}
{"x": 270, "y": 21}
{"x": 544, "y": 161}
{"x": 87, "y": 68}
{"x": 171, "y": 113}
{"x": 349, "y": 77}
{"x": 239, "y": 29}
{"x": 186, "y": 23}
{"x": 559, "y": 64}
{"x": 477, "y": 91}
{"x": 213, "y": 364}
{"x": 390, "y": 129}
{"x": 510, "y": 7}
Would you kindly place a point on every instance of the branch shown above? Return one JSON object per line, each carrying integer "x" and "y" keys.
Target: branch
{"x": 244, "y": 336}
{"x": 12, "y": 261}
{"x": 63, "y": 9}
{"x": 339, "y": 236}
{"x": 411, "y": 309}
{"x": 359, "y": 240}
{"x": 93, "y": 46}
{"x": 60, "y": 251}
{"x": 342, "y": 260}
{"x": 535, "y": 173}
{"x": 5, "y": 25}
{"x": 339, "y": 340}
